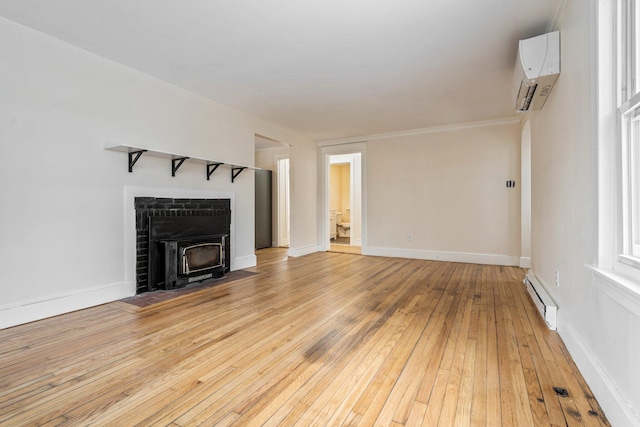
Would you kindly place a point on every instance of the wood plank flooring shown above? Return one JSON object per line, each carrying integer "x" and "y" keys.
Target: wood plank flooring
{"x": 324, "y": 339}
{"x": 345, "y": 249}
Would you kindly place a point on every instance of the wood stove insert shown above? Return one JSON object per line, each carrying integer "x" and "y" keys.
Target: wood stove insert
{"x": 183, "y": 250}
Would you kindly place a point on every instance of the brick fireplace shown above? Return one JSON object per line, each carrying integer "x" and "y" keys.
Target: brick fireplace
{"x": 212, "y": 216}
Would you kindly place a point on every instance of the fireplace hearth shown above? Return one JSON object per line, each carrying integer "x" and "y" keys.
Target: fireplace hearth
{"x": 181, "y": 241}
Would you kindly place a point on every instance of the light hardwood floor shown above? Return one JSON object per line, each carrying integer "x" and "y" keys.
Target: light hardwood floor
{"x": 345, "y": 249}
{"x": 324, "y": 339}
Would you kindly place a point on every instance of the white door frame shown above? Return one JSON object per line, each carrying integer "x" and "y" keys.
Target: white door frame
{"x": 525, "y": 196}
{"x": 325, "y": 153}
{"x": 282, "y": 218}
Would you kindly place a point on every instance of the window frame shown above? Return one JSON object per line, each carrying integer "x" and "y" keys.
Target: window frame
{"x": 614, "y": 273}
{"x": 628, "y": 136}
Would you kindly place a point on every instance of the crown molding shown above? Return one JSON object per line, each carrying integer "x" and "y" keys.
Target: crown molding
{"x": 410, "y": 132}
{"x": 554, "y": 24}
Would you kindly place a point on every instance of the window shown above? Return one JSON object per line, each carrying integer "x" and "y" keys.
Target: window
{"x": 628, "y": 108}
{"x": 630, "y": 136}
{"x": 617, "y": 260}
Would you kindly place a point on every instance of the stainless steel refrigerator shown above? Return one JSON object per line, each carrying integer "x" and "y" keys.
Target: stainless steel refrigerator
{"x": 263, "y": 209}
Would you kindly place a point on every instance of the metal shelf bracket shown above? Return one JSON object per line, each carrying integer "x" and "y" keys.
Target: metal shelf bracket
{"x": 176, "y": 163}
{"x": 211, "y": 168}
{"x": 235, "y": 172}
{"x": 133, "y": 158}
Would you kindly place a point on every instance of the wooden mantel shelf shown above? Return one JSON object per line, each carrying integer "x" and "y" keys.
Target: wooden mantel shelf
{"x": 178, "y": 159}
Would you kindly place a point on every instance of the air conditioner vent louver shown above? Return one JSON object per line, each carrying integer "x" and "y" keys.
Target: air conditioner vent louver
{"x": 524, "y": 102}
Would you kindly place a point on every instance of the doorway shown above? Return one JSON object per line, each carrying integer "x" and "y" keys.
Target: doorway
{"x": 343, "y": 216}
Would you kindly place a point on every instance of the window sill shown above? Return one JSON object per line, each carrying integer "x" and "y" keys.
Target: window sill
{"x": 623, "y": 289}
{"x": 630, "y": 261}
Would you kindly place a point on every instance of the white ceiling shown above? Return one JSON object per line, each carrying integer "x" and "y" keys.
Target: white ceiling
{"x": 326, "y": 69}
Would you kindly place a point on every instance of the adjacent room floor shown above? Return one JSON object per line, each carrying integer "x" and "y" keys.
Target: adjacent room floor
{"x": 343, "y": 245}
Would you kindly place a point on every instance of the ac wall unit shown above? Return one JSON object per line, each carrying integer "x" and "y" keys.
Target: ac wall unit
{"x": 536, "y": 71}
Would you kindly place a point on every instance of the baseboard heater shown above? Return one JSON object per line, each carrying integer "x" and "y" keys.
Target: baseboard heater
{"x": 541, "y": 299}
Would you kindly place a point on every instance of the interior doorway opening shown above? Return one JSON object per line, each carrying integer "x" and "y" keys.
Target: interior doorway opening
{"x": 343, "y": 213}
{"x": 344, "y": 200}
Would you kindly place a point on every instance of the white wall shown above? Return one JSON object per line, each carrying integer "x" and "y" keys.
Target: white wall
{"x": 335, "y": 188}
{"x": 340, "y": 189}
{"x": 62, "y": 218}
{"x": 345, "y": 192}
{"x": 599, "y": 325}
{"x": 448, "y": 190}
{"x": 303, "y": 171}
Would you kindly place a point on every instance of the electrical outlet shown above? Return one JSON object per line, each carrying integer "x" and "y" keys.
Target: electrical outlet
{"x": 409, "y": 237}
{"x": 557, "y": 278}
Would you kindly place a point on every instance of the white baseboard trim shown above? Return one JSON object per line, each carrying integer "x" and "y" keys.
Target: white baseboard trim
{"x": 239, "y": 263}
{"x": 53, "y": 305}
{"x": 471, "y": 258}
{"x": 301, "y": 251}
{"x": 615, "y": 407}
{"x": 525, "y": 262}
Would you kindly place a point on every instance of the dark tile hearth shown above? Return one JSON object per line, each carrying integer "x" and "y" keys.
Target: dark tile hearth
{"x": 149, "y": 298}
